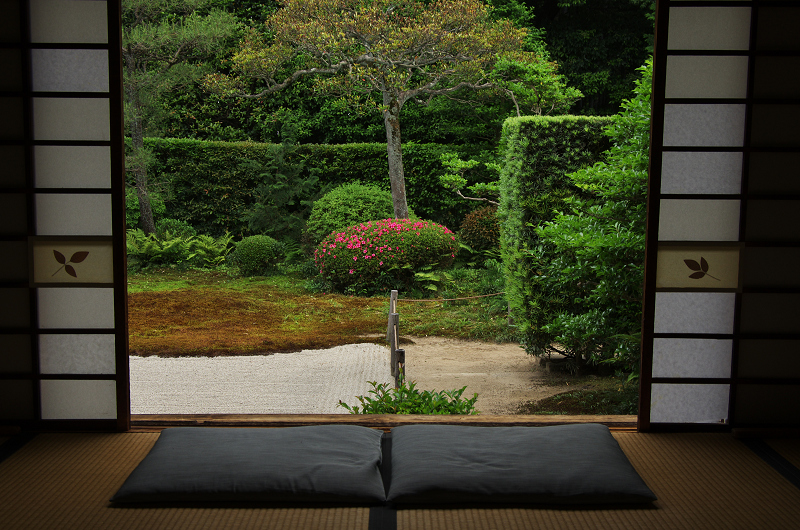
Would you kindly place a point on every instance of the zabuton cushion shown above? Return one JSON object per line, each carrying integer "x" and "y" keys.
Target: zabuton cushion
{"x": 327, "y": 463}
{"x": 565, "y": 464}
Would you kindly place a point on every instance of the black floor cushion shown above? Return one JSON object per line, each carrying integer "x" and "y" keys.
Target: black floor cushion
{"x": 327, "y": 463}
{"x": 565, "y": 464}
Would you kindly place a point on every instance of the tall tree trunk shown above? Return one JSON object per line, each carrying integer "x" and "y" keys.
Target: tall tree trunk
{"x": 139, "y": 165}
{"x": 391, "y": 119}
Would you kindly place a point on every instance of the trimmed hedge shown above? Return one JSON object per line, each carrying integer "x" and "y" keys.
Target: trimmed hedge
{"x": 539, "y": 151}
{"x": 211, "y": 185}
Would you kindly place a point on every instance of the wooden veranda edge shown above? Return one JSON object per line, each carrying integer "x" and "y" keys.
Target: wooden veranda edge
{"x": 157, "y": 422}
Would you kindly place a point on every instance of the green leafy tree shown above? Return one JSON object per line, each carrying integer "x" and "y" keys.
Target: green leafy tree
{"x": 590, "y": 259}
{"x": 164, "y": 44}
{"x": 401, "y": 50}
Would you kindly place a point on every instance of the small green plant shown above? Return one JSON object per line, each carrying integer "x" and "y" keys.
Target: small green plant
{"x": 257, "y": 255}
{"x": 361, "y": 256}
{"x": 408, "y": 400}
{"x": 347, "y": 205}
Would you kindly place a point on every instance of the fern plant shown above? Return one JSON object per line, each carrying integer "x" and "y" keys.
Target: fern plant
{"x": 176, "y": 250}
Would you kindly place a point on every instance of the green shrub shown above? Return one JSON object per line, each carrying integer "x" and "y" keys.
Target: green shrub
{"x": 371, "y": 255}
{"x": 481, "y": 229}
{"x": 347, "y": 205}
{"x": 174, "y": 227}
{"x": 408, "y": 400}
{"x": 257, "y": 255}
{"x": 591, "y": 256}
{"x": 181, "y": 251}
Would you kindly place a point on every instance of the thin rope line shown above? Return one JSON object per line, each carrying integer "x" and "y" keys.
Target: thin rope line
{"x": 448, "y": 299}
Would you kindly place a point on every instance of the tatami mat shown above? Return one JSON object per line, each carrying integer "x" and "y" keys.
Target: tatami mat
{"x": 788, "y": 448}
{"x": 702, "y": 481}
{"x": 65, "y": 481}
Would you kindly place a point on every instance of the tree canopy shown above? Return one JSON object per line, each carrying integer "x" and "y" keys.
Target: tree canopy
{"x": 402, "y": 50}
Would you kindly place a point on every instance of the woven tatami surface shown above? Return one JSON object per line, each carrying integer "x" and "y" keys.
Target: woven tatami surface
{"x": 702, "y": 481}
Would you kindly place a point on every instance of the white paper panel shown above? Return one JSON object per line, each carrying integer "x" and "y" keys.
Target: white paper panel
{"x": 69, "y": 21}
{"x": 69, "y": 70}
{"x": 692, "y": 358}
{"x": 72, "y": 166}
{"x": 77, "y": 354}
{"x": 71, "y": 119}
{"x": 73, "y": 214}
{"x": 698, "y": 220}
{"x": 694, "y": 313}
{"x": 689, "y": 403}
{"x": 690, "y": 125}
{"x": 79, "y": 400}
{"x": 76, "y": 307}
{"x": 709, "y": 28}
{"x": 701, "y": 172}
{"x": 706, "y": 77}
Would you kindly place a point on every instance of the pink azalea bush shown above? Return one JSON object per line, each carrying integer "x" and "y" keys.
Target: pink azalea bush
{"x": 361, "y": 255}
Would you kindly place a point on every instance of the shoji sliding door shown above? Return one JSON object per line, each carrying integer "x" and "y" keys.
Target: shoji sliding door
{"x": 721, "y": 331}
{"x": 63, "y": 320}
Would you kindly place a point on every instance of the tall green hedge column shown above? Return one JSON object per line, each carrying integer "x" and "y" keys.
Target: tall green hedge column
{"x": 539, "y": 152}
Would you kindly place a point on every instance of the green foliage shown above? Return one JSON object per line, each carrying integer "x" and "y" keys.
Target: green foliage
{"x": 150, "y": 250}
{"x": 539, "y": 152}
{"x": 164, "y": 47}
{"x": 347, "y": 205}
{"x": 211, "y": 184}
{"x": 174, "y": 227}
{"x": 598, "y": 46}
{"x": 257, "y": 255}
{"x": 281, "y": 200}
{"x": 132, "y": 215}
{"x": 481, "y": 229}
{"x": 590, "y": 258}
{"x": 534, "y": 84}
{"x": 379, "y": 255}
{"x": 458, "y": 171}
{"x": 409, "y": 400}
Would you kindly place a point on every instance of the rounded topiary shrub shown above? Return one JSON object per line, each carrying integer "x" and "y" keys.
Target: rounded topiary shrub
{"x": 347, "y": 205}
{"x": 257, "y": 255}
{"x": 359, "y": 255}
{"x": 481, "y": 229}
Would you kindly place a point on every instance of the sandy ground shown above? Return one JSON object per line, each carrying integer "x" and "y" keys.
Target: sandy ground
{"x": 313, "y": 381}
{"x": 502, "y": 375}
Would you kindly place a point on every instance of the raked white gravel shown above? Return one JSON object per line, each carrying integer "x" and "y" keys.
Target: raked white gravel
{"x": 306, "y": 382}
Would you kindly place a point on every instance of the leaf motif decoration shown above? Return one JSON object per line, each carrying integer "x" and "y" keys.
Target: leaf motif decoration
{"x": 697, "y": 275}
{"x": 60, "y": 257}
{"x": 692, "y": 264}
{"x": 80, "y": 256}
{"x": 703, "y": 264}
{"x": 69, "y": 269}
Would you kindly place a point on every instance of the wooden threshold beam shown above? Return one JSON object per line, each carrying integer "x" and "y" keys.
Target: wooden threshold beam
{"x": 157, "y": 422}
